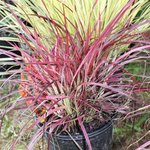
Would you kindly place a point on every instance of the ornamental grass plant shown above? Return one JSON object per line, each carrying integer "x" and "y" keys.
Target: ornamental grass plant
{"x": 73, "y": 57}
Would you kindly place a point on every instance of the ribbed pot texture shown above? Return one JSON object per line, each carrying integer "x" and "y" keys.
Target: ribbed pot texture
{"x": 101, "y": 139}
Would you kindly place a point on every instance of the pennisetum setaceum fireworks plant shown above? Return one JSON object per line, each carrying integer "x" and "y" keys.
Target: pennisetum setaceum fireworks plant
{"x": 73, "y": 58}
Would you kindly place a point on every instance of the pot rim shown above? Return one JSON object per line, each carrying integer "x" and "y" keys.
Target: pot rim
{"x": 79, "y": 136}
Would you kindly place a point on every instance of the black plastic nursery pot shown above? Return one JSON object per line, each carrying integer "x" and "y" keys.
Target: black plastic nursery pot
{"x": 101, "y": 139}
